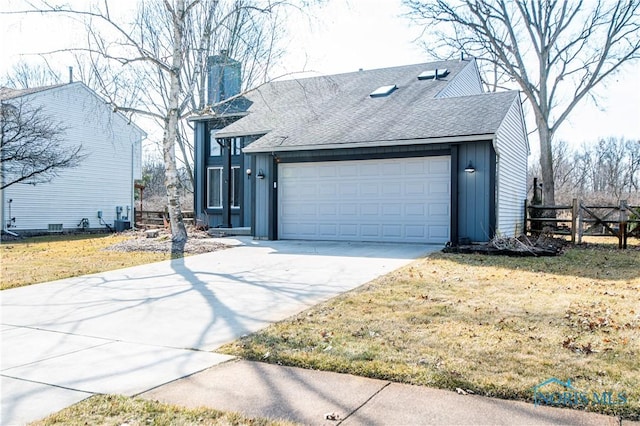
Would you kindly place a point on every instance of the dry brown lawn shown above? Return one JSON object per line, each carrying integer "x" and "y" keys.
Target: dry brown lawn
{"x": 496, "y": 326}
{"x": 39, "y": 259}
{"x": 111, "y": 410}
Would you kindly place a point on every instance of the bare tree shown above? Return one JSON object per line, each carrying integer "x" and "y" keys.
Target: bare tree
{"x": 32, "y": 145}
{"x": 633, "y": 179}
{"x": 155, "y": 66}
{"x": 556, "y": 51}
{"x": 606, "y": 171}
{"x": 24, "y": 76}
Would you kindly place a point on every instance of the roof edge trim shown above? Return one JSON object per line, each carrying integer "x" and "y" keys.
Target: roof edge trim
{"x": 395, "y": 142}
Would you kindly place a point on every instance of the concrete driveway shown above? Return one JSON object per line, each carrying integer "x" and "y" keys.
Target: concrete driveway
{"x": 131, "y": 330}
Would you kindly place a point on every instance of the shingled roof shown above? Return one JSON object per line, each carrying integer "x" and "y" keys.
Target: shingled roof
{"x": 338, "y": 111}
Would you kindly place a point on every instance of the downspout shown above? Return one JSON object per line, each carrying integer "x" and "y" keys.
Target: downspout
{"x": 3, "y": 225}
{"x": 132, "y": 188}
{"x": 494, "y": 175}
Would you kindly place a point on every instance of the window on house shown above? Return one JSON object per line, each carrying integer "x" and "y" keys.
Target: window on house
{"x": 215, "y": 150}
{"x": 214, "y": 194}
{"x": 215, "y": 188}
{"x": 235, "y": 187}
{"x": 236, "y": 146}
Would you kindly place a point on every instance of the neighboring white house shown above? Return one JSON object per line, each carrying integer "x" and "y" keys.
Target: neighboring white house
{"x": 93, "y": 195}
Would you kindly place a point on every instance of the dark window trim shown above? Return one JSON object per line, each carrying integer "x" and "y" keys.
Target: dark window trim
{"x": 235, "y": 204}
{"x": 208, "y": 183}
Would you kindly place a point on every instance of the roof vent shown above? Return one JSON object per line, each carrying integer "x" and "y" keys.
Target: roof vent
{"x": 383, "y": 91}
{"x": 433, "y": 74}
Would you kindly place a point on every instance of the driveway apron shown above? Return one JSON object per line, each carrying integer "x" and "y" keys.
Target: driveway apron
{"x": 131, "y": 330}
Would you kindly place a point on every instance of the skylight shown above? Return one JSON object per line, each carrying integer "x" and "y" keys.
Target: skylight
{"x": 432, "y": 74}
{"x": 383, "y": 91}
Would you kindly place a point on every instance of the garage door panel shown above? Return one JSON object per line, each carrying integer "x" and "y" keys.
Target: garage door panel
{"x": 439, "y": 188}
{"x": 349, "y": 211}
{"x": 439, "y": 210}
{"x": 369, "y": 189}
{"x": 302, "y": 229}
{"x": 328, "y": 209}
{"x": 348, "y": 229}
{"x": 327, "y": 171}
{"x": 369, "y": 170}
{"x": 370, "y": 231}
{"x": 391, "y": 189}
{"x": 348, "y": 189}
{"x": 369, "y": 209}
{"x": 415, "y": 231}
{"x": 415, "y": 188}
{"x": 392, "y": 231}
{"x": 391, "y": 169}
{"x": 392, "y": 200}
{"x": 328, "y": 230}
{"x": 415, "y": 168}
{"x": 292, "y": 210}
{"x": 414, "y": 210}
{"x": 440, "y": 166}
{"x": 346, "y": 171}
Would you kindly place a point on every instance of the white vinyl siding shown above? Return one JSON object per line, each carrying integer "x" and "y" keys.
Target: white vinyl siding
{"x": 389, "y": 200}
{"x": 512, "y": 151}
{"x": 467, "y": 82}
{"x": 102, "y": 181}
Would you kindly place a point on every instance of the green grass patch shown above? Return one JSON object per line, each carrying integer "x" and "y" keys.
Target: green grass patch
{"x": 119, "y": 410}
{"x": 495, "y": 325}
{"x": 40, "y": 259}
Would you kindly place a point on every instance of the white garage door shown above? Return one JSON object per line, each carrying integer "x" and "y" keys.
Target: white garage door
{"x": 391, "y": 200}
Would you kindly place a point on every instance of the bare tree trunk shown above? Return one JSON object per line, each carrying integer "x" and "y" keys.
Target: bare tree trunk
{"x": 546, "y": 163}
{"x": 178, "y": 230}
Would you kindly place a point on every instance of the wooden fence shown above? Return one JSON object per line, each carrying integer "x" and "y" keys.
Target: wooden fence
{"x": 158, "y": 219}
{"x": 579, "y": 220}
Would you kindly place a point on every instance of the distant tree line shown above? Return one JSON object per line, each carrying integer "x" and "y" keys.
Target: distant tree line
{"x": 605, "y": 172}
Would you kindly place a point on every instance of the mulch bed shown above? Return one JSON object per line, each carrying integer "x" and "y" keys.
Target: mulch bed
{"x": 197, "y": 243}
{"x": 516, "y": 247}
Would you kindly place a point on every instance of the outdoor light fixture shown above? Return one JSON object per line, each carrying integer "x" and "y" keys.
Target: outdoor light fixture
{"x": 470, "y": 168}
{"x": 260, "y": 174}
{"x": 248, "y": 171}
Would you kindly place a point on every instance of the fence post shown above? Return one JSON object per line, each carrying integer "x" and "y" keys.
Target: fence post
{"x": 622, "y": 227}
{"x": 580, "y": 222}
{"x": 526, "y": 208}
{"x": 574, "y": 219}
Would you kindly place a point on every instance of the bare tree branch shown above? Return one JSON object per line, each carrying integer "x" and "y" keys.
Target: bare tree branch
{"x": 556, "y": 51}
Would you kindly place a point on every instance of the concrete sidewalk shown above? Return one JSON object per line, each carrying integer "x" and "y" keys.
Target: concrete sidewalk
{"x": 131, "y": 330}
{"x": 312, "y": 397}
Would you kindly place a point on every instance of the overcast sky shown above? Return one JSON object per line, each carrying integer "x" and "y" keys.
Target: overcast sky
{"x": 344, "y": 36}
